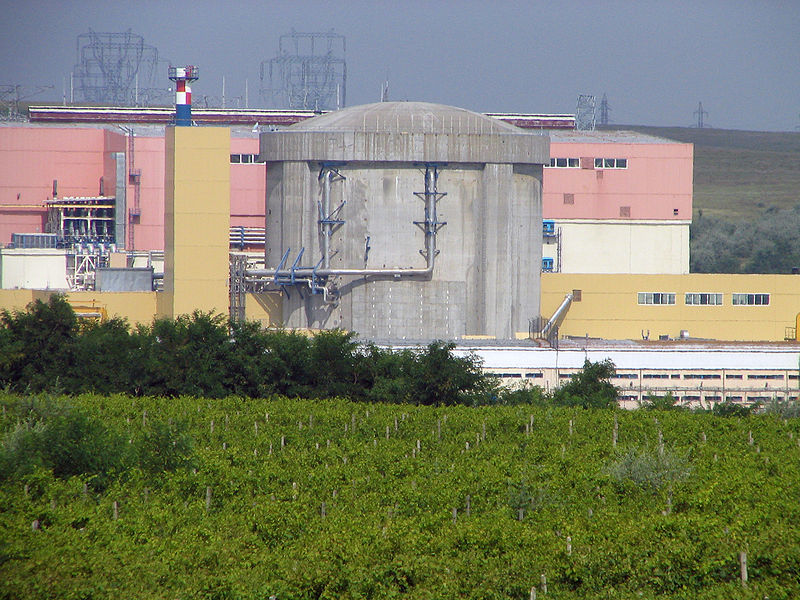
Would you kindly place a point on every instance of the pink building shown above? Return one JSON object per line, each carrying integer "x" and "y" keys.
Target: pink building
{"x": 41, "y": 162}
{"x": 617, "y": 202}
{"x": 613, "y": 201}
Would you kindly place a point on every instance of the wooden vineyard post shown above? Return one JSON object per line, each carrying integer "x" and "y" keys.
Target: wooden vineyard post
{"x": 743, "y": 567}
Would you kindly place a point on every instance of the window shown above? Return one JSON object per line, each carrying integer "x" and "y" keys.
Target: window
{"x": 534, "y": 375}
{"x": 569, "y": 198}
{"x": 759, "y": 376}
{"x": 610, "y": 163}
{"x": 571, "y": 163}
{"x": 750, "y": 299}
{"x": 247, "y": 159}
{"x": 703, "y": 299}
{"x": 701, "y": 376}
{"x": 547, "y": 264}
{"x": 548, "y": 227}
{"x": 626, "y": 376}
{"x": 733, "y": 376}
{"x": 655, "y": 376}
{"x": 624, "y": 211}
{"x": 656, "y": 298}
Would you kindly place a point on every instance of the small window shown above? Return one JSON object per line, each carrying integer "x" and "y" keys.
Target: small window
{"x": 622, "y": 163}
{"x": 569, "y": 198}
{"x": 703, "y": 299}
{"x": 548, "y": 227}
{"x": 534, "y": 375}
{"x": 675, "y": 212}
{"x": 236, "y": 159}
{"x": 624, "y": 211}
{"x": 574, "y": 163}
{"x": 547, "y": 265}
{"x": 247, "y": 158}
{"x": 656, "y": 298}
{"x": 609, "y": 163}
{"x": 750, "y": 299}
{"x": 561, "y": 162}
{"x": 598, "y": 163}
{"x": 552, "y": 162}
{"x": 733, "y": 376}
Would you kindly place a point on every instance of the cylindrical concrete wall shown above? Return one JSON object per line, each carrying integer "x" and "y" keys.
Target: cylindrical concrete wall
{"x": 485, "y": 279}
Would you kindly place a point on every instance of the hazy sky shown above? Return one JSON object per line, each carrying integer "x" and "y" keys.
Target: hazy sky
{"x": 655, "y": 60}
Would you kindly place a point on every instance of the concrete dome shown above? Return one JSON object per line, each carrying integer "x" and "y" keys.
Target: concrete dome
{"x": 406, "y": 117}
{"x": 405, "y": 132}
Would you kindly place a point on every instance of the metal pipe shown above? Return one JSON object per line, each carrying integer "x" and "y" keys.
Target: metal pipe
{"x": 326, "y": 215}
{"x": 309, "y": 275}
{"x": 561, "y": 310}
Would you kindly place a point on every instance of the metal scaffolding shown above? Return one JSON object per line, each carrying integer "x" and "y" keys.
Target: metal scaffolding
{"x": 309, "y": 72}
{"x": 117, "y": 69}
{"x": 585, "y": 113}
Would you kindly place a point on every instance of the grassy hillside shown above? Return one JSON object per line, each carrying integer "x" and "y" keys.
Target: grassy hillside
{"x": 294, "y": 499}
{"x": 739, "y": 174}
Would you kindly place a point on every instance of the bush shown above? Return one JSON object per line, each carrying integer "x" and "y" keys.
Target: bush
{"x": 648, "y": 469}
{"x": 590, "y": 388}
{"x": 64, "y": 440}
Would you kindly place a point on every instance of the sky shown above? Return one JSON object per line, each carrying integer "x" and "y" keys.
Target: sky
{"x": 654, "y": 60}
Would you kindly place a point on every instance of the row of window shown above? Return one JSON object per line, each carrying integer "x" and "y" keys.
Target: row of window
{"x": 703, "y": 299}
{"x": 771, "y": 376}
{"x": 247, "y": 159}
{"x": 599, "y": 163}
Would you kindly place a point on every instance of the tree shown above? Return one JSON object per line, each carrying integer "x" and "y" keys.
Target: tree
{"x": 589, "y": 388}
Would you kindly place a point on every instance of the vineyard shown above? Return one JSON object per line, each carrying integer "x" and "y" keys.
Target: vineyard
{"x": 122, "y": 497}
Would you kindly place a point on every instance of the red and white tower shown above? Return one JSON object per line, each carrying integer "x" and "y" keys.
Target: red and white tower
{"x": 183, "y": 77}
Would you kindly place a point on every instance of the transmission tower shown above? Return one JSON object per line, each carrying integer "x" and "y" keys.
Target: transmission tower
{"x": 604, "y": 110}
{"x": 700, "y": 114}
{"x": 585, "y": 113}
{"x": 117, "y": 69}
{"x": 309, "y": 72}
{"x": 12, "y": 95}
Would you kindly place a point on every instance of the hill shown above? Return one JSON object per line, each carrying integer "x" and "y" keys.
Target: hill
{"x": 739, "y": 175}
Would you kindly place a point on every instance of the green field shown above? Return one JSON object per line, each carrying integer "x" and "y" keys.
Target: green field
{"x": 739, "y": 175}
{"x": 238, "y": 498}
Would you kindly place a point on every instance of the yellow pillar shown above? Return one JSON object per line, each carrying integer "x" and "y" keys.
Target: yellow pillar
{"x": 196, "y": 221}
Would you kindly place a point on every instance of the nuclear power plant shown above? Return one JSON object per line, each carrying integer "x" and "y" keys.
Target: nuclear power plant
{"x": 523, "y": 239}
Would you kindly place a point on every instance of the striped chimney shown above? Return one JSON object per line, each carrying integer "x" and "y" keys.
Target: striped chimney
{"x": 183, "y": 77}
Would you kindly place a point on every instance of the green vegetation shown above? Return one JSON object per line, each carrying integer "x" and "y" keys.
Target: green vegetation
{"x": 45, "y": 348}
{"x": 300, "y": 499}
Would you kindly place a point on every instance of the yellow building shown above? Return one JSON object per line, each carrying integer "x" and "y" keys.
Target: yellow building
{"x": 712, "y": 306}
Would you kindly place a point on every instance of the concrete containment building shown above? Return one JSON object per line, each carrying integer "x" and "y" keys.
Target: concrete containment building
{"x": 405, "y": 220}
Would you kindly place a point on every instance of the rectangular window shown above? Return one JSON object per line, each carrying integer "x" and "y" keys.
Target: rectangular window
{"x": 547, "y": 265}
{"x": 733, "y": 376}
{"x": 760, "y": 376}
{"x": 236, "y": 158}
{"x": 701, "y": 376}
{"x": 569, "y": 198}
{"x": 703, "y": 299}
{"x": 624, "y": 211}
{"x": 548, "y": 227}
{"x": 247, "y": 158}
{"x": 750, "y": 299}
{"x": 534, "y": 375}
{"x": 610, "y": 163}
{"x": 656, "y": 298}
{"x": 655, "y": 376}
{"x": 560, "y": 162}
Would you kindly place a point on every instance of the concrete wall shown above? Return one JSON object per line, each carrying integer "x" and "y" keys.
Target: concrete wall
{"x": 485, "y": 279}
{"x": 619, "y": 246}
{"x": 609, "y": 306}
